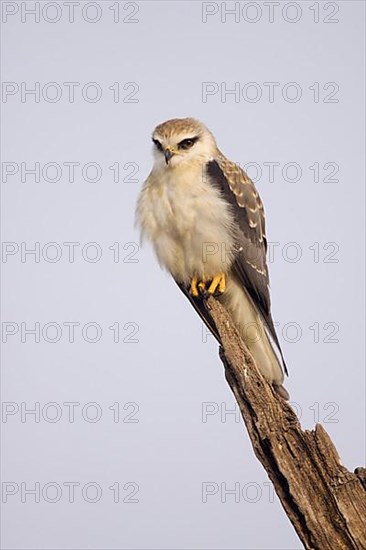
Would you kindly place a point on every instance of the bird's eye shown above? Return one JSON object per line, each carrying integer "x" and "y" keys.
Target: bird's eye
{"x": 187, "y": 143}
{"x": 157, "y": 144}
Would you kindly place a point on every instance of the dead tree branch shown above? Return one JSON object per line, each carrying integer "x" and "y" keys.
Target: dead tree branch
{"x": 324, "y": 501}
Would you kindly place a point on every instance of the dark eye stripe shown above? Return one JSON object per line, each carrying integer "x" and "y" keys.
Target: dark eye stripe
{"x": 158, "y": 144}
{"x": 187, "y": 143}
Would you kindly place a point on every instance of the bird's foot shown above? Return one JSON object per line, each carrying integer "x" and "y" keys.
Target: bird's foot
{"x": 198, "y": 286}
{"x": 218, "y": 285}
{"x": 205, "y": 287}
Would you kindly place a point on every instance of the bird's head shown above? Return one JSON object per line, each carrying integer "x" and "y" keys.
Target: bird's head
{"x": 182, "y": 140}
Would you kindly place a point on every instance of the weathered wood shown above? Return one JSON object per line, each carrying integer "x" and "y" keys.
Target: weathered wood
{"x": 324, "y": 501}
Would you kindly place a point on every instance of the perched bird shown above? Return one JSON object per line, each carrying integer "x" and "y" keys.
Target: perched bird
{"x": 206, "y": 222}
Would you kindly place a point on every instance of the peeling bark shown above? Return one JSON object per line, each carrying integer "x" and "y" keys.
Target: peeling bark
{"x": 324, "y": 501}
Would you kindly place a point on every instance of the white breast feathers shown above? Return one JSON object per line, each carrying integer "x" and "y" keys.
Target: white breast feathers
{"x": 189, "y": 224}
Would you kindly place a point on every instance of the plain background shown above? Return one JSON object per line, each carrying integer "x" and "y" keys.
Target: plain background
{"x": 171, "y": 374}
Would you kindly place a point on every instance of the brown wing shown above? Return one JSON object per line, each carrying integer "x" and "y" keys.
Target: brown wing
{"x": 250, "y": 266}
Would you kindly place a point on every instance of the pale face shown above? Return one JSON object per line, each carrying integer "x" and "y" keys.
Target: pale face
{"x": 174, "y": 145}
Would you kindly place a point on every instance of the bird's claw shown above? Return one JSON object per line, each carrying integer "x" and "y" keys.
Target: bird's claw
{"x": 194, "y": 288}
{"x": 218, "y": 285}
{"x": 206, "y": 287}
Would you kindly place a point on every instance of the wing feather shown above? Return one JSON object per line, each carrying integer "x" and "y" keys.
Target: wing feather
{"x": 250, "y": 266}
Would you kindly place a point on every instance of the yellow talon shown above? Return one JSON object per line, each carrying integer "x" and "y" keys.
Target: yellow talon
{"x": 194, "y": 289}
{"x": 198, "y": 286}
{"x": 202, "y": 286}
{"x": 218, "y": 284}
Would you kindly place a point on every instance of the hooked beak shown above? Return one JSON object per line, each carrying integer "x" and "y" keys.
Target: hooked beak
{"x": 168, "y": 153}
